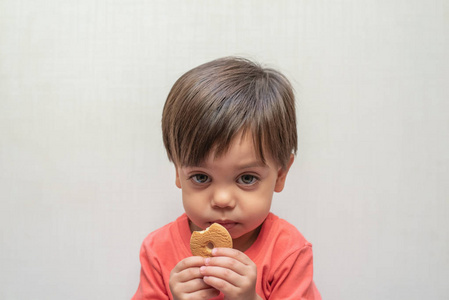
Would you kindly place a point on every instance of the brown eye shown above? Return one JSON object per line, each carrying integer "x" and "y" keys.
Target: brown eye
{"x": 247, "y": 179}
{"x": 200, "y": 178}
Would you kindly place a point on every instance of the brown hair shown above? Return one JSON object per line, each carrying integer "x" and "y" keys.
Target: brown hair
{"x": 210, "y": 104}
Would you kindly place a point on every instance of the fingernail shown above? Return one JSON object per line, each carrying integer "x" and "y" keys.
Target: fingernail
{"x": 202, "y": 269}
{"x": 214, "y": 251}
{"x": 207, "y": 260}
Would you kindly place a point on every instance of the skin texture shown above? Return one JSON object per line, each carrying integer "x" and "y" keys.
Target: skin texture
{"x": 235, "y": 190}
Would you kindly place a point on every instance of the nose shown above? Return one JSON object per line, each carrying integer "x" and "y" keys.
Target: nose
{"x": 223, "y": 197}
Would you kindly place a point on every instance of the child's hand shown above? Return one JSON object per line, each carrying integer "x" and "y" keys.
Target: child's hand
{"x": 231, "y": 272}
{"x": 186, "y": 280}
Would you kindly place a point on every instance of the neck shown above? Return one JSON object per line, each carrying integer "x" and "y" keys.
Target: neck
{"x": 244, "y": 242}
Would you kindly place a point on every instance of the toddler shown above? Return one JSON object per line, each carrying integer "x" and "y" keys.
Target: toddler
{"x": 229, "y": 127}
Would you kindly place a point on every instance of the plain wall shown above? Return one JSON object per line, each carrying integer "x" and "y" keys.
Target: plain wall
{"x": 83, "y": 172}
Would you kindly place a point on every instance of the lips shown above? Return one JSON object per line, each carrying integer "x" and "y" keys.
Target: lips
{"x": 228, "y": 224}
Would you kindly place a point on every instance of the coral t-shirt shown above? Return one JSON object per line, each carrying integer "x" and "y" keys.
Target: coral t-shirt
{"x": 283, "y": 257}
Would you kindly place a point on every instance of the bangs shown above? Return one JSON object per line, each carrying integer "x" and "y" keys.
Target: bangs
{"x": 215, "y": 134}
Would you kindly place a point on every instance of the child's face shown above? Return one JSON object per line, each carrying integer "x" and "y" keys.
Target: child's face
{"x": 234, "y": 190}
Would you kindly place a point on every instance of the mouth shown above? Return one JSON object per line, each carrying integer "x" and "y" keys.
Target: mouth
{"x": 228, "y": 224}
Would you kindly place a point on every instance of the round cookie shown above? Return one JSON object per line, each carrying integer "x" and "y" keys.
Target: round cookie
{"x": 202, "y": 242}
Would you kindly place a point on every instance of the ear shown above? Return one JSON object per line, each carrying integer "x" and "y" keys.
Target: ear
{"x": 282, "y": 175}
{"x": 178, "y": 181}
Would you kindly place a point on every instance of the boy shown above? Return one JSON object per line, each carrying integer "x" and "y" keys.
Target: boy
{"x": 229, "y": 127}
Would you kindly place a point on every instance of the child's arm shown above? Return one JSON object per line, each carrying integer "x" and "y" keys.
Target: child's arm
{"x": 231, "y": 272}
{"x": 293, "y": 278}
{"x": 151, "y": 285}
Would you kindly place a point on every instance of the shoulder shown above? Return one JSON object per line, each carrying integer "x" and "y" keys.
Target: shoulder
{"x": 285, "y": 262}
{"x": 284, "y": 235}
{"x": 164, "y": 237}
{"x": 284, "y": 231}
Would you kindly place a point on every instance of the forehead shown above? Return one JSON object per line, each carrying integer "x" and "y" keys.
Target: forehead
{"x": 241, "y": 152}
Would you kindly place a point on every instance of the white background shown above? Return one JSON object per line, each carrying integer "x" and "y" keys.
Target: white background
{"x": 83, "y": 172}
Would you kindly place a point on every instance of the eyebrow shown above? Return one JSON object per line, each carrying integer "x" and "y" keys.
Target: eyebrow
{"x": 255, "y": 164}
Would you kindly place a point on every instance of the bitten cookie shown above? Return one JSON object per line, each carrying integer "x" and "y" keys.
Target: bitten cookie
{"x": 202, "y": 242}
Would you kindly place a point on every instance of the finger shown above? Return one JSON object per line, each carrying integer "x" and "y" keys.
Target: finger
{"x": 225, "y": 274}
{"x": 196, "y": 289}
{"x": 187, "y": 269}
{"x": 195, "y": 285}
{"x": 219, "y": 284}
{"x": 229, "y": 263}
{"x": 189, "y": 275}
{"x": 205, "y": 293}
{"x": 189, "y": 262}
{"x": 236, "y": 254}
{"x": 229, "y": 282}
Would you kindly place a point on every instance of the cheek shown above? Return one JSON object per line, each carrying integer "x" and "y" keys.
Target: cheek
{"x": 187, "y": 199}
{"x": 191, "y": 208}
{"x": 194, "y": 202}
{"x": 192, "y": 195}
{"x": 257, "y": 202}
